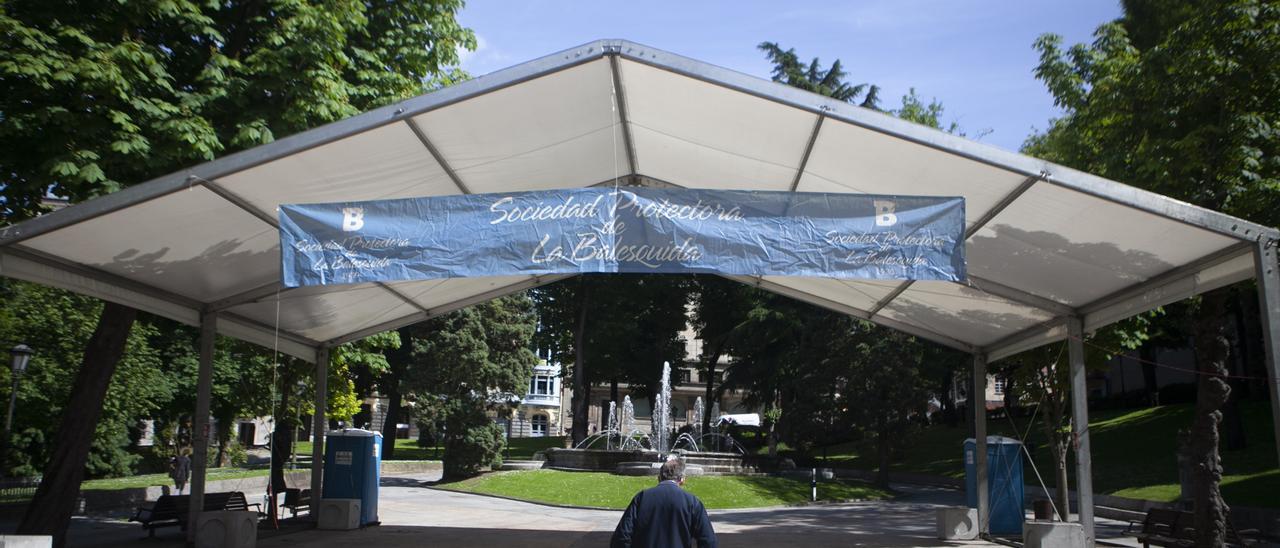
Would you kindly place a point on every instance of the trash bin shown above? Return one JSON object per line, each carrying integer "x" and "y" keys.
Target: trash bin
{"x": 1005, "y": 491}
{"x": 352, "y": 466}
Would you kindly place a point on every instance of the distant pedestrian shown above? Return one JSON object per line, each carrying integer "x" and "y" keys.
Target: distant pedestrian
{"x": 180, "y": 469}
{"x": 665, "y": 515}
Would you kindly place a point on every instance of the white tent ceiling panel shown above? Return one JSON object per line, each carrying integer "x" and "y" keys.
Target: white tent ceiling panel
{"x": 436, "y": 294}
{"x": 859, "y": 294}
{"x": 331, "y": 314}
{"x": 699, "y": 135}
{"x": 1074, "y": 248}
{"x": 557, "y": 131}
{"x": 847, "y": 158}
{"x": 385, "y": 162}
{"x": 265, "y": 338}
{"x": 1038, "y": 337}
{"x": 966, "y": 314}
{"x": 22, "y": 269}
{"x": 191, "y": 242}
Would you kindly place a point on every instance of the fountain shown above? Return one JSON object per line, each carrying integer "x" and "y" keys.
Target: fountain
{"x": 661, "y": 419}
{"x": 629, "y": 450}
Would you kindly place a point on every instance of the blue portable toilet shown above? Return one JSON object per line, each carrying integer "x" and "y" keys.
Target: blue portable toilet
{"x": 1005, "y": 491}
{"x": 352, "y": 468}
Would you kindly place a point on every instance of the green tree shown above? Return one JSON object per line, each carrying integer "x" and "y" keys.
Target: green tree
{"x": 466, "y": 363}
{"x": 1182, "y": 99}
{"x": 95, "y": 99}
{"x": 789, "y": 70}
{"x": 614, "y": 328}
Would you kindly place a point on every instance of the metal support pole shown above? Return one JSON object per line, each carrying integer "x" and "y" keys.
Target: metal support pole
{"x": 200, "y": 422}
{"x": 979, "y": 403}
{"x": 1080, "y": 426}
{"x": 319, "y": 423}
{"x": 8, "y": 424}
{"x": 1269, "y": 300}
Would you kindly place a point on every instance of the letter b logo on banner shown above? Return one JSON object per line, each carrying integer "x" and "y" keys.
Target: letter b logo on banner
{"x": 884, "y": 212}
{"x": 352, "y": 219}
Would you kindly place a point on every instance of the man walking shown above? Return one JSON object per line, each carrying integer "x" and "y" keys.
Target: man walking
{"x": 665, "y": 515}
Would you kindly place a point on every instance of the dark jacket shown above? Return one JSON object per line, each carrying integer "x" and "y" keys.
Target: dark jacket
{"x": 664, "y": 515}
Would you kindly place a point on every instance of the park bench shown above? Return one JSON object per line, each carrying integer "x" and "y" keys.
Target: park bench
{"x": 295, "y": 499}
{"x": 169, "y": 510}
{"x": 1163, "y": 527}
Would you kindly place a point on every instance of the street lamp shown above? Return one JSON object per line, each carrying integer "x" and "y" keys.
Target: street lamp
{"x": 21, "y": 356}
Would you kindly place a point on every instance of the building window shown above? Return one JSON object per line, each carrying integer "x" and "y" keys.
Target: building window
{"x": 997, "y": 387}
{"x": 542, "y": 385}
{"x": 685, "y": 377}
{"x": 539, "y": 425}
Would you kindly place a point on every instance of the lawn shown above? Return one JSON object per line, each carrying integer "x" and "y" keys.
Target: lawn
{"x": 1133, "y": 454}
{"x": 603, "y": 490}
{"x": 521, "y": 448}
{"x": 148, "y": 480}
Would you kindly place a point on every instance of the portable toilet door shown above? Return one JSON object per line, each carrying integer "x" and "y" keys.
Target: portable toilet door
{"x": 352, "y": 469}
{"x": 1006, "y": 496}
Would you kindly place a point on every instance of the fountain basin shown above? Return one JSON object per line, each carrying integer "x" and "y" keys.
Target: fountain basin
{"x": 595, "y": 460}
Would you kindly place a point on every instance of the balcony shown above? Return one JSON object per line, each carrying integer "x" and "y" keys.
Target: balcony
{"x": 543, "y": 400}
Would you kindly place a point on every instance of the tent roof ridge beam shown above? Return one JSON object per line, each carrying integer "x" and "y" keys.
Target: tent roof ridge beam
{"x": 37, "y": 256}
{"x": 1004, "y": 202}
{"x": 403, "y": 297}
{"x": 426, "y": 314}
{"x": 305, "y": 140}
{"x": 855, "y": 312}
{"x": 624, "y": 122}
{"x": 952, "y": 144}
{"x": 1019, "y": 296}
{"x": 883, "y": 302}
{"x": 808, "y": 149}
{"x": 1190, "y": 269}
{"x": 235, "y": 199}
{"x": 435, "y": 154}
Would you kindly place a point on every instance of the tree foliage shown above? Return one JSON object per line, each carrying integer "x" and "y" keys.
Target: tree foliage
{"x": 1182, "y": 98}
{"x": 790, "y": 70}
{"x": 95, "y": 99}
{"x": 467, "y": 362}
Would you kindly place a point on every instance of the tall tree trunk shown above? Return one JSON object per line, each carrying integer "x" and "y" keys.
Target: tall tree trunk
{"x": 882, "y": 443}
{"x": 1149, "y": 385}
{"x": 391, "y": 419}
{"x": 224, "y": 438}
{"x": 712, "y": 360}
{"x": 281, "y": 442}
{"x": 1058, "y": 446}
{"x": 1212, "y": 393}
{"x": 613, "y": 390}
{"x": 581, "y": 392}
{"x": 50, "y": 511}
{"x": 397, "y": 363}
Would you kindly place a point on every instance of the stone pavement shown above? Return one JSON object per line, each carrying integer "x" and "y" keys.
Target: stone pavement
{"x": 413, "y": 515}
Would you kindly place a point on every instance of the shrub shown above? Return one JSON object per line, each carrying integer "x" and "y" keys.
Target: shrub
{"x": 472, "y": 442}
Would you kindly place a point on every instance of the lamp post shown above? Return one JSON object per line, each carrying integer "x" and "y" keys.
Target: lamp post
{"x": 21, "y": 356}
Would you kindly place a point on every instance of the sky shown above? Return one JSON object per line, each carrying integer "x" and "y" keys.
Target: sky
{"x": 973, "y": 56}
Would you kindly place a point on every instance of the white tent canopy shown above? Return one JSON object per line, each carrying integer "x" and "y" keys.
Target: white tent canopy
{"x": 1046, "y": 245}
{"x": 1044, "y": 242}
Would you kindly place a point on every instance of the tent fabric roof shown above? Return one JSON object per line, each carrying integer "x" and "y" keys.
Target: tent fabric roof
{"x": 1044, "y": 242}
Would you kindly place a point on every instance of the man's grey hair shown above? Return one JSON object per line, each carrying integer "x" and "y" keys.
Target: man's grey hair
{"x": 672, "y": 469}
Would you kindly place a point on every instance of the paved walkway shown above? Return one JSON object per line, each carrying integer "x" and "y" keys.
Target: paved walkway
{"x": 413, "y": 515}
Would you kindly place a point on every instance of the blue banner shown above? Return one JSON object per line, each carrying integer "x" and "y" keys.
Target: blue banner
{"x": 629, "y": 229}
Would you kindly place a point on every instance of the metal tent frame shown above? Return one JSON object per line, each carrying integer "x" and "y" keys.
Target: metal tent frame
{"x": 449, "y": 156}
